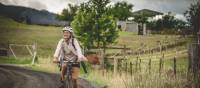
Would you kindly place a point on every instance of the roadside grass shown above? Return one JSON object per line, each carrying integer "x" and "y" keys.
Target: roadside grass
{"x": 144, "y": 79}
{"x": 12, "y": 60}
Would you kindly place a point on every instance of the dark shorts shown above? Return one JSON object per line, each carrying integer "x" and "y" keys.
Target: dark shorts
{"x": 75, "y": 64}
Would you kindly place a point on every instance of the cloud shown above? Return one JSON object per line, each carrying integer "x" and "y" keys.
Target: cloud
{"x": 55, "y": 6}
{"x": 175, "y": 6}
{"x": 37, "y": 5}
{"x": 27, "y": 3}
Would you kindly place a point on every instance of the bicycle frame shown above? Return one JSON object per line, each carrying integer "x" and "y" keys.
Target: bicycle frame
{"x": 68, "y": 75}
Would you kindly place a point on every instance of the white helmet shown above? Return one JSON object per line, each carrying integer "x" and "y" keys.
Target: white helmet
{"x": 68, "y": 29}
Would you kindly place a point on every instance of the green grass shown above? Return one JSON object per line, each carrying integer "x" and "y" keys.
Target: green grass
{"x": 144, "y": 79}
{"x": 135, "y": 41}
{"x": 11, "y": 60}
{"x": 47, "y": 37}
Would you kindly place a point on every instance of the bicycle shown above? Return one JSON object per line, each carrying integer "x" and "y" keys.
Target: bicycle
{"x": 68, "y": 73}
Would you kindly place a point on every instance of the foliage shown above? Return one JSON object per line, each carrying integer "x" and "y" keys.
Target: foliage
{"x": 122, "y": 10}
{"x": 193, "y": 16}
{"x": 68, "y": 14}
{"x": 93, "y": 25}
{"x": 167, "y": 22}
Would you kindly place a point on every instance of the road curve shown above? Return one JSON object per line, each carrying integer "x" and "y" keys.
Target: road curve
{"x": 19, "y": 77}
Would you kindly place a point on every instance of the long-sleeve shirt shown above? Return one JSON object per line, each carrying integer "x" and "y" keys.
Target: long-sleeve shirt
{"x": 68, "y": 51}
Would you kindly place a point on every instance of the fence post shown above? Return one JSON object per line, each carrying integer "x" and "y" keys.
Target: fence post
{"x": 8, "y": 49}
{"x": 150, "y": 65}
{"x": 160, "y": 66}
{"x": 118, "y": 69}
{"x": 34, "y": 53}
{"x": 126, "y": 68}
{"x": 115, "y": 65}
{"x": 175, "y": 66}
{"x": 12, "y": 51}
{"x": 136, "y": 64}
{"x": 124, "y": 52}
{"x": 140, "y": 68}
{"x": 131, "y": 68}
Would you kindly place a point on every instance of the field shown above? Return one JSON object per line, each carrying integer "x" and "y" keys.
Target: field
{"x": 47, "y": 37}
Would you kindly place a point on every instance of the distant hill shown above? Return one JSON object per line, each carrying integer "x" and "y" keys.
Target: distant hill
{"x": 30, "y": 15}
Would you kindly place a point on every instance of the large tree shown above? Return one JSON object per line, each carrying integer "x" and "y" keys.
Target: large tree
{"x": 93, "y": 25}
{"x": 193, "y": 16}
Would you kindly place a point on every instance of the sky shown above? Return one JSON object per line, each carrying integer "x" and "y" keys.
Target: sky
{"x": 177, "y": 7}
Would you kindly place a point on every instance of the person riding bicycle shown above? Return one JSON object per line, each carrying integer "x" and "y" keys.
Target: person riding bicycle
{"x": 68, "y": 49}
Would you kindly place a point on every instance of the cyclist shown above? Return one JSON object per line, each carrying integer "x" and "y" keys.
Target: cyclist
{"x": 69, "y": 49}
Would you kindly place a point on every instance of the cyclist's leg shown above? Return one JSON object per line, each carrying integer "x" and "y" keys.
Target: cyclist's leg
{"x": 75, "y": 73}
{"x": 63, "y": 71}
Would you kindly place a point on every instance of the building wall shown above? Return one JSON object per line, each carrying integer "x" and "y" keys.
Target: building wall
{"x": 129, "y": 26}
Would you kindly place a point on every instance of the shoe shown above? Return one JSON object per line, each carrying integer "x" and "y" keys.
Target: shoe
{"x": 62, "y": 84}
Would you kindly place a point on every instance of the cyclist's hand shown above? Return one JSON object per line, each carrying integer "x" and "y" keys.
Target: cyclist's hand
{"x": 55, "y": 60}
{"x": 81, "y": 58}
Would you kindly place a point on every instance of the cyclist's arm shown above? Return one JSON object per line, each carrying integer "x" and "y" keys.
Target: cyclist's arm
{"x": 80, "y": 55}
{"x": 58, "y": 51}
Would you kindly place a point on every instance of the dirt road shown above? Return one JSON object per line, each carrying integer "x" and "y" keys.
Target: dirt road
{"x": 18, "y": 77}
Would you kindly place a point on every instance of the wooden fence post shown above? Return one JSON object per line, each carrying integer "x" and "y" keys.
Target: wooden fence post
{"x": 126, "y": 68}
{"x": 160, "y": 66}
{"x": 150, "y": 65}
{"x": 175, "y": 66}
{"x": 115, "y": 65}
{"x": 34, "y": 53}
{"x": 8, "y": 49}
{"x": 136, "y": 64}
{"x": 140, "y": 68}
{"x": 12, "y": 51}
{"x": 131, "y": 69}
{"x": 120, "y": 67}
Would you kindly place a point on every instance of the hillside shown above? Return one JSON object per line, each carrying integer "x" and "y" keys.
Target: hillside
{"x": 47, "y": 37}
{"x": 30, "y": 15}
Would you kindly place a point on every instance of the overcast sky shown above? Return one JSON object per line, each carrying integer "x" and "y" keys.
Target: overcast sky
{"x": 177, "y": 7}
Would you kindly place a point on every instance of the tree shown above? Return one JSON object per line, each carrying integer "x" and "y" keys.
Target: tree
{"x": 180, "y": 24}
{"x": 167, "y": 23}
{"x": 193, "y": 16}
{"x": 93, "y": 25}
{"x": 121, "y": 10}
{"x": 68, "y": 13}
